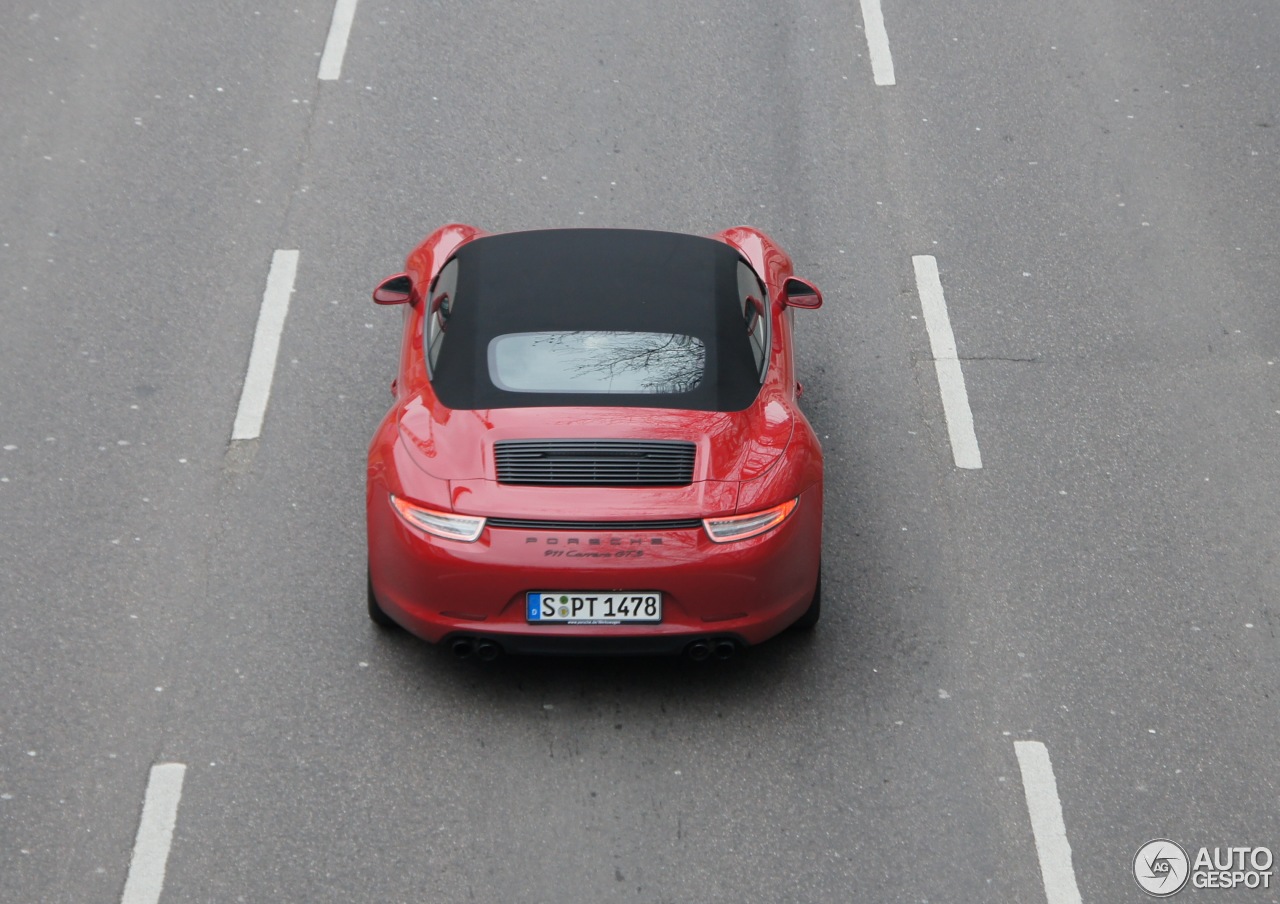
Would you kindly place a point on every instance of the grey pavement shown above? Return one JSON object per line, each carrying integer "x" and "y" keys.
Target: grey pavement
{"x": 1097, "y": 182}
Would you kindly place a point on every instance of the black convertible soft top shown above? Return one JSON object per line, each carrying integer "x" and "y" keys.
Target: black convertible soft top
{"x": 600, "y": 288}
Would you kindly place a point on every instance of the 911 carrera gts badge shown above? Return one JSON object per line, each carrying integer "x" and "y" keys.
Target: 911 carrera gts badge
{"x": 595, "y": 541}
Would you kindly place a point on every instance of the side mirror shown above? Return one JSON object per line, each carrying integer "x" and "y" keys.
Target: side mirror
{"x": 800, "y": 293}
{"x": 394, "y": 290}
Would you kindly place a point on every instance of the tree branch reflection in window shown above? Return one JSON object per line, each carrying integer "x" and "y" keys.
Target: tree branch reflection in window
{"x": 597, "y": 361}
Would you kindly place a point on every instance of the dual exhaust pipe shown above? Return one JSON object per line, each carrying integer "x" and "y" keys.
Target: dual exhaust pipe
{"x": 484, "y": 650}
{"x": 721, "y": 648}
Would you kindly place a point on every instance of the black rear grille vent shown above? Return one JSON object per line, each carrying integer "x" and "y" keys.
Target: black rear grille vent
{"x": 595, "y": 462}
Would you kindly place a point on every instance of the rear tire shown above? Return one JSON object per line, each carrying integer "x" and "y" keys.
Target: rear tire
{"x": 379, "y": 617}
{"x": 811, "y": 615}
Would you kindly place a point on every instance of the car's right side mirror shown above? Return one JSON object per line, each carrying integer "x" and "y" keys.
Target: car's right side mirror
{"x": 800, "y": 293}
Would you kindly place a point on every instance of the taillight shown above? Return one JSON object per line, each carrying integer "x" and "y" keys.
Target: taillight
{"x": 465, "y": 528}
{"x": 728, "y": 528}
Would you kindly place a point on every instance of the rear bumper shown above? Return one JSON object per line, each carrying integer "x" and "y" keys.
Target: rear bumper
{"x": 746, "y": 591}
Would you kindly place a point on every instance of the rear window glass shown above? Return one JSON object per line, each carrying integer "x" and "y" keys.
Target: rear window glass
{"x": 597, "y": 361}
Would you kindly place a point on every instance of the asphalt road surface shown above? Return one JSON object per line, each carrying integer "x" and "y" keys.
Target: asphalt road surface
{"x": 1024, "y": 672}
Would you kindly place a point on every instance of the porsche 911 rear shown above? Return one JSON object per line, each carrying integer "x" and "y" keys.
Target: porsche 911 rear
{"x": 595, "y": 446}
{"x": 578, "y": 569}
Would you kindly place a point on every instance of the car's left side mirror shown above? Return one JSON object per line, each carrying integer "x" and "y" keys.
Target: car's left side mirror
{"x": 394, "y": 290}
{"x": 800, "y": 293}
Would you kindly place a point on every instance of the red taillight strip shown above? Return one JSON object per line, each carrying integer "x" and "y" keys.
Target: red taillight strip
{"x": 729, "y": 528}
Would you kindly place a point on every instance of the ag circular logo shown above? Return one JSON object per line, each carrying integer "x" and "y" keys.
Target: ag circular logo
{"x": 1161, "y": 868}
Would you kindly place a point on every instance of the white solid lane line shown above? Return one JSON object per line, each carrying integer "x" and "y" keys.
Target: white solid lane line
{"x": 335, "y": 47}
{"x": 1046, "y": 823}
{"x": 266, "y": 345}
{"x": 155, "y": 834}
{"x": 877, "y": 43}
{"x": 955, "y": 399}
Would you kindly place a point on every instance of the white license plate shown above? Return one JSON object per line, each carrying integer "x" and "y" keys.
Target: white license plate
{"x": 577, "y": 607}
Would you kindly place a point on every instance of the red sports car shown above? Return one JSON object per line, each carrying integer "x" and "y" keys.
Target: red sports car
{"x": 595, "y": 446}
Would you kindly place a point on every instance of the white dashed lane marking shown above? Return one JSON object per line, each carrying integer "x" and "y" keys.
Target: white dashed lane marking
{"x": 877, "y": 43}
{"x": 335, "y": 47}
{"x": 266, "y": 345}
{"x": 155, "y": 834}
{"x": 955, "y": 398}
{"x": 1047, "y": 826}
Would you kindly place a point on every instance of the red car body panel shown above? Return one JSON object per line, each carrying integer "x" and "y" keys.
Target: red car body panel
{"x": 442, "y": 458}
